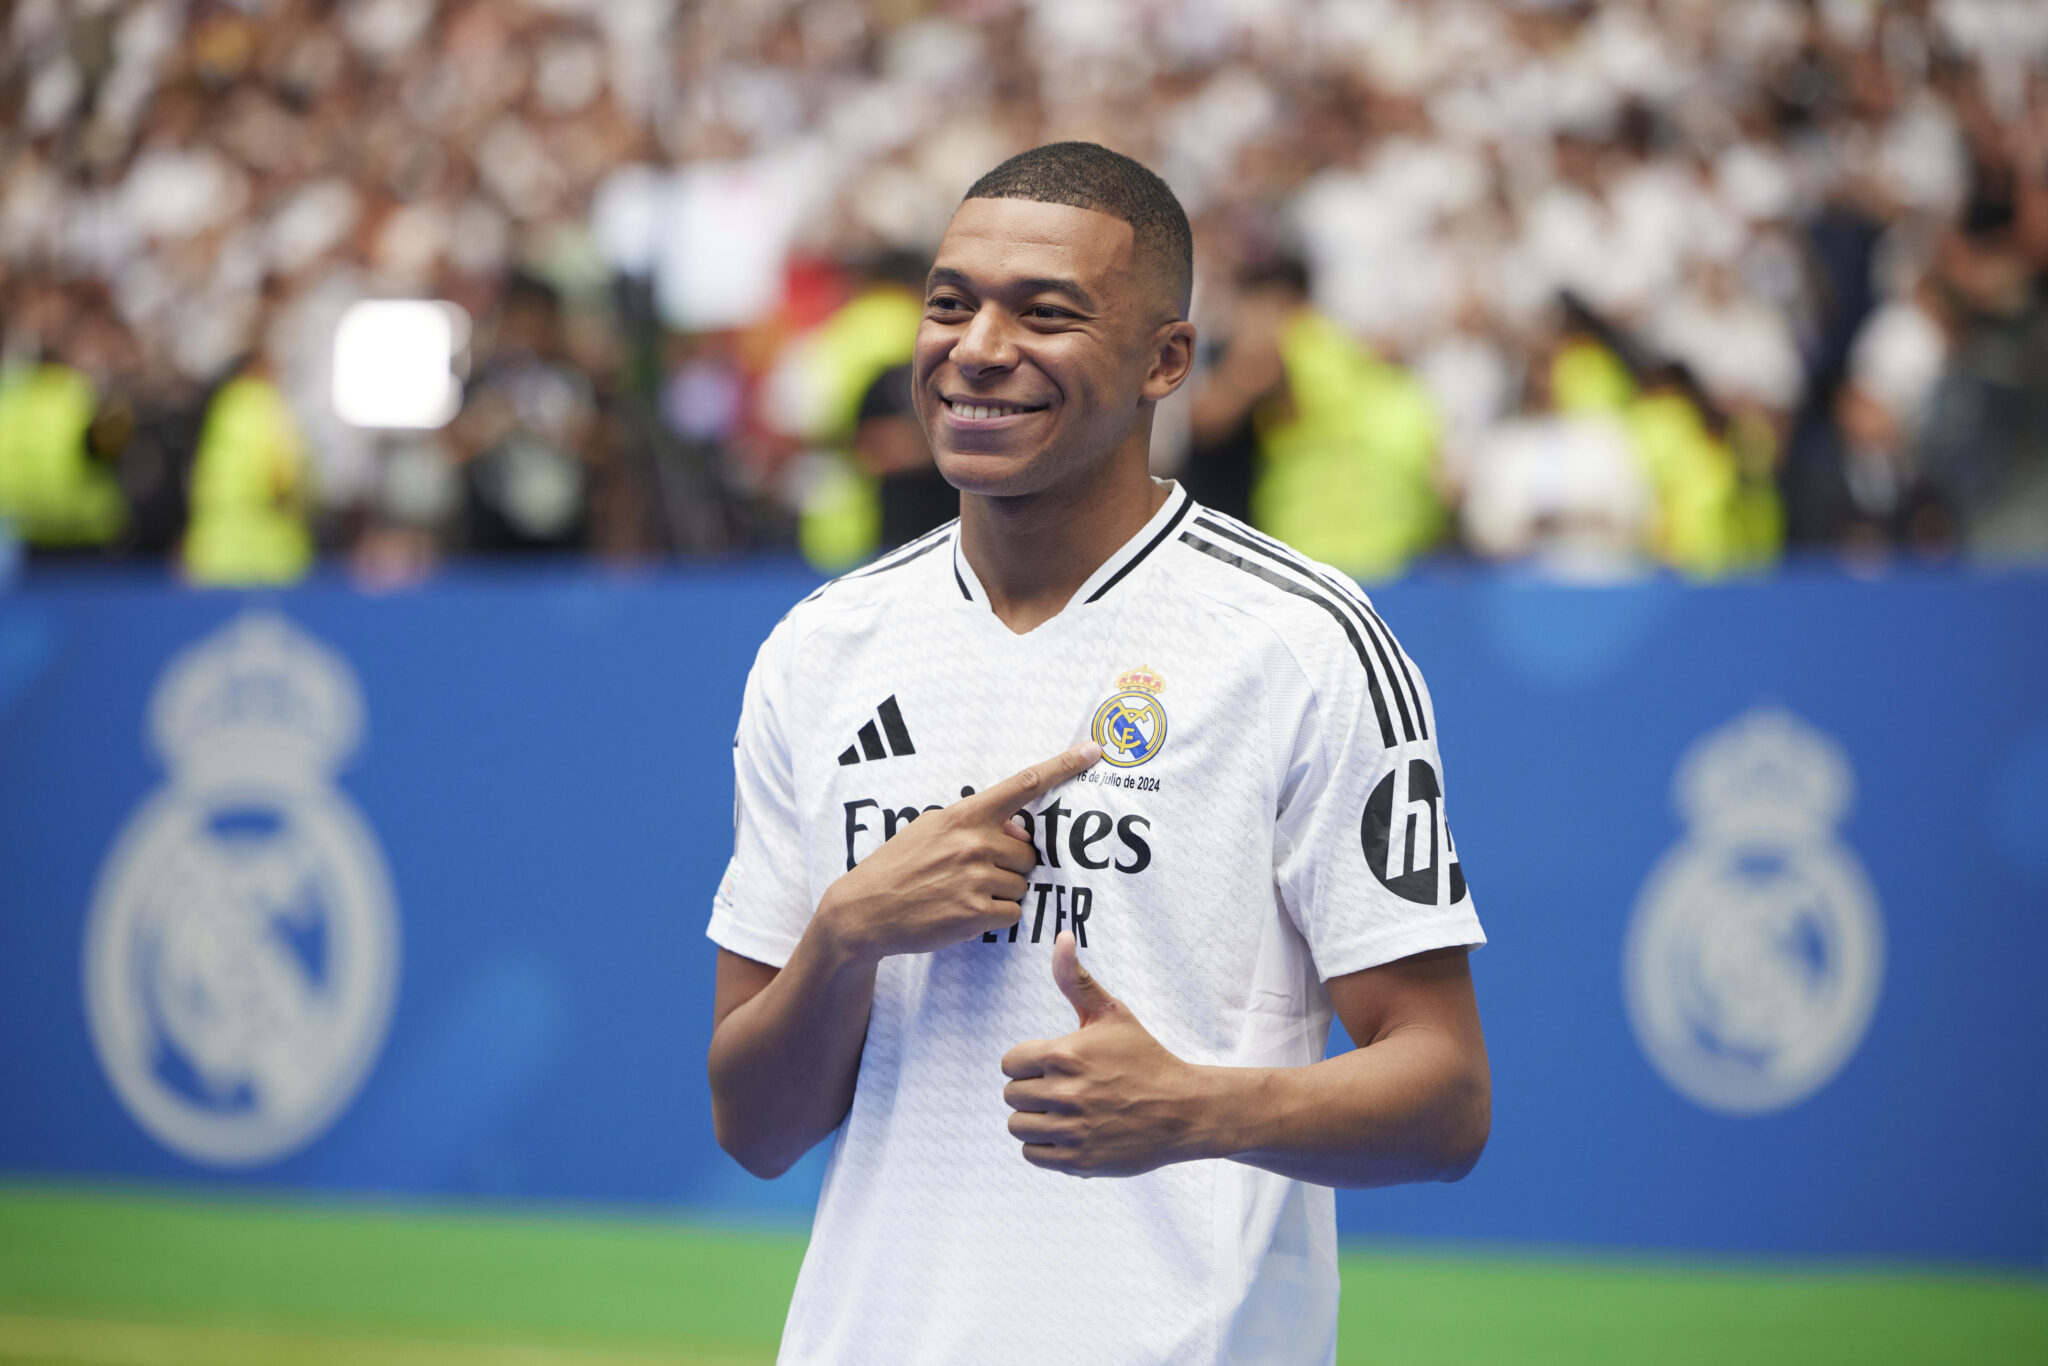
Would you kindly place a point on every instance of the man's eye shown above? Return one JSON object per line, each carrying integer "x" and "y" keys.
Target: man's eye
{"x": 943, "y": 302}
{"x": 1046, "y": 312}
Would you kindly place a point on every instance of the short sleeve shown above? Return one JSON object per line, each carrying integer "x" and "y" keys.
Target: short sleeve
{"x": 763, "y": 904}
{"x": 1364, "y": 859}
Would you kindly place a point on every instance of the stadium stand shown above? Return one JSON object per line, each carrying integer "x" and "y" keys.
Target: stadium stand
{"x": 1803, "y": 245}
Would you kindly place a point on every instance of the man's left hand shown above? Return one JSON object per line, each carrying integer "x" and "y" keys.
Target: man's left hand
{"x": 1107, "y": 1099}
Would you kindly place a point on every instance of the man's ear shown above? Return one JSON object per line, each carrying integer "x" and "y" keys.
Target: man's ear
{"x": 1173, "y": 359}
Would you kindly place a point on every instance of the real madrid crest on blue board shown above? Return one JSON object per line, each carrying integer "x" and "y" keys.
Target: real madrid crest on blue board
{"x": 1131, "y": 725}
{"x": 241, "y": 957}
{"x": 1755, "y": 958}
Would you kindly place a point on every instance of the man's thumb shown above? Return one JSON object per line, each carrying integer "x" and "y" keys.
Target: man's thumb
{"x": 1086, "y": 995}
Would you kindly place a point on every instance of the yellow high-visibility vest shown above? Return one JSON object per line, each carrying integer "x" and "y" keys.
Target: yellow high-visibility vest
{"x": 1586, "y": 377}
{"x": 1712, "y": 520}
{"x": 51, "y": 488}
{"x": 250, "y": 490}
{"x": 840, "y": 522}
{"x": 1348, "y": 458}
{"x": 1693, "y": 478}
{"x": 1759, "y": 510}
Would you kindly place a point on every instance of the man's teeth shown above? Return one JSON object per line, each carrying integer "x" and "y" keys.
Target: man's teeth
{"x": 975, "y": 410}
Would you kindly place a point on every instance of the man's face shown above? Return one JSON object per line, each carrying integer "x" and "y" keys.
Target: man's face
{"x": 1041, "y": 337}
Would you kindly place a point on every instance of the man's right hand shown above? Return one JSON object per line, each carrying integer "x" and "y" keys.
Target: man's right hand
{"x": 951, "y": 874}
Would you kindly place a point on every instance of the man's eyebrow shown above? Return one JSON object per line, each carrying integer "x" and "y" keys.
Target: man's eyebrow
{"x": 1049, "y": 284}
{"x": 1035, "y": 284}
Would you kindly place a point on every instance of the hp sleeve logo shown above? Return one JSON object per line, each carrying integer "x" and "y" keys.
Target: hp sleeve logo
{"x": 1406, "y": 840}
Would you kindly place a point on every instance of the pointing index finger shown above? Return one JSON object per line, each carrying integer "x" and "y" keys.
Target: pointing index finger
{"x": 1022, "y": 788}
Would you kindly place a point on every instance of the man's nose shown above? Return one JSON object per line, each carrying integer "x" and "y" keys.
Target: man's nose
{"x": 985, "y": 345}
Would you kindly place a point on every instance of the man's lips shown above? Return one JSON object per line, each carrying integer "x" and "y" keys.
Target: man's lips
{"x": 987, "y": 410}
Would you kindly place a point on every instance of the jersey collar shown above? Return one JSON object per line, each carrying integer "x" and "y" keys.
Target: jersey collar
{"x": 1112, "y": 571}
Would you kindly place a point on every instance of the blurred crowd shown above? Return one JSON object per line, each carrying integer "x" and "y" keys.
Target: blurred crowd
{"x": 1696, "y": 283}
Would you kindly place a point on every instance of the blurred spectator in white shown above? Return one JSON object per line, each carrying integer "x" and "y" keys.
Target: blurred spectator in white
{"x": 1881, "y": 411}
{"x": 1562, "y": 489}
{"x": 1741, "y": 347}
{"x": 1474, "y": 377}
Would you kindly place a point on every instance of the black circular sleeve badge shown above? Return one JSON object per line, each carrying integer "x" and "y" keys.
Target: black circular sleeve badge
{"x": 1405, "y": 859}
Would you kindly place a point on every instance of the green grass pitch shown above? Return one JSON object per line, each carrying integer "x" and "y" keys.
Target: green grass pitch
{"x": 98, "y": 1277}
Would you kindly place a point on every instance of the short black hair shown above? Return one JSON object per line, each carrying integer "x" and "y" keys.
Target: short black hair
{"x": 1086, "y": 175}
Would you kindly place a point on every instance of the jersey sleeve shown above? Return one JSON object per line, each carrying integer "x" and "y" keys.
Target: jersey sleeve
{"x": 762, "y": 904}
{"x": 1364, "y": 859}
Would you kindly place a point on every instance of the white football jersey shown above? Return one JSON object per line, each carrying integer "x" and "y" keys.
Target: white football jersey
{"x": 1268, "y": 814}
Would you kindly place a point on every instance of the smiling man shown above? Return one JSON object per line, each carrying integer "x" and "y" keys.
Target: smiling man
{"x": 1241, "y": 828}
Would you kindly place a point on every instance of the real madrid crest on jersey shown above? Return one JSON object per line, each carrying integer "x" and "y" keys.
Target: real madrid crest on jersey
{"x": 241, "y": 955}
{"x": 1131, "y": 725}
{"x": 1756, "y": 954}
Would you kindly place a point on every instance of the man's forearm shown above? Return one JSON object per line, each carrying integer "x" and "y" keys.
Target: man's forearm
{"x": 783, "y": 1064}
{"x": 1414, "y": 1106}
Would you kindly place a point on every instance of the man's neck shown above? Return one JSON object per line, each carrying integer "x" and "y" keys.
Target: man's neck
{"x": 1031, "y": 553}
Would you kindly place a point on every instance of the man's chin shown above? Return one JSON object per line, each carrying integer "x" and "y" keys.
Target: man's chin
{"x": 991, "y": 474}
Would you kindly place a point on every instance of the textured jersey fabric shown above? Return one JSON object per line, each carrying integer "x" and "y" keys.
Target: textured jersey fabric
{"x": 1268, "y": 815}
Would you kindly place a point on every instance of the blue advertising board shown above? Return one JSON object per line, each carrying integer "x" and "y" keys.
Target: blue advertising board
{"x": 405, "y": 894}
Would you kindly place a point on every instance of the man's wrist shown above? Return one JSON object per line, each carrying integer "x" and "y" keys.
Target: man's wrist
{"x": 835, "y": 926}
{"x": 1227, "y": 1103}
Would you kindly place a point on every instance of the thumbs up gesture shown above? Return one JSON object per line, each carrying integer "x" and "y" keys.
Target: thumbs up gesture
{"x": 1107, "y": 1099}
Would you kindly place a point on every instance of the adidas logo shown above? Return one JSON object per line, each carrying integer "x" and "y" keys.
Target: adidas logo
{"x": 870, "y": 745}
